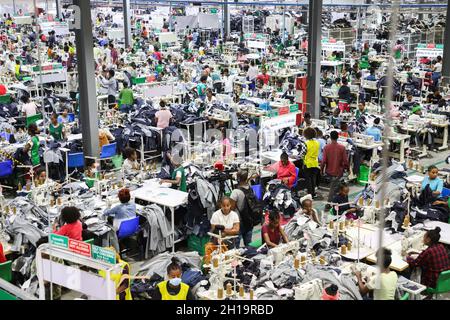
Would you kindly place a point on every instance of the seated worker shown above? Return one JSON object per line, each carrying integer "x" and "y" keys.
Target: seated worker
{"x": 436, "y": 184}
{"x": 344, "y": 92}
{"x": 435, "y": 97}
{"x": 64, "y": 116}
{"x": 69, "y": 224}
{"x": 416, "y": 113}
{"x": 163, "y": 116}
{"x": 226, "y": 221}
{"x": 344, "y": 207}
{"x": 385, "y": 289}
{"x": 335, "y": 120}
{"x": 290, "y": 93}
{"x": 2, "y": 254}
{"x": 272, "y": 233}
{"x": 173, "y": 288}
{"x": 124, "y": 211}
{"x": 286, "y": 171}
{"x": 178, "y": 175}
{"x": 130, "y": 164}
{"x": 56, "y": 129}
{"x": 28, "y": 107}
{"x": 307, "y": 208}
{"x": 374, "y": 130}
{"x": 372, "y": 76}
{"x": 409, "y": 103}
{"x": 433, "y": 260}
{"x": 307, "y": 122}
{"x": 105, "y": 137}
{"x": 264, "y": 76}
{"x": 331, "y": 293}
{"x": 122, "y": 282}
{"x": 361, "y": 110}
{"x": 126, "y": 98}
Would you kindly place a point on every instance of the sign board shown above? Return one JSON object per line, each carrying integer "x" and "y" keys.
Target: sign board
{"x": 333, "y": 46}
{"x": 59, "y": 241}
{"x": 429, "y": 52}
{"x": 272, "y": 113}
{"x": 80, "y": 247}
{"x": 167, "y": 37}
{"x": 285, "y": 121}
{"x": 256, "y": 44}
{"x": 102, "y": 254}
{"x": 283, "y": 110}
{"x": 293, "y": 108}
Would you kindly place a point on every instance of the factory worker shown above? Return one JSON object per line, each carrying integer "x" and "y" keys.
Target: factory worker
{"x": 432, "y": 180}
{"x": 307, "y": 208}
{"x": 173, "y": 288}
{"x": 130, "y": 164}
{"x": 227, "y": 221}
{"x": 124, "y": 211}
{"x": 272, "y": 233}
{"x": 120, "y": 279}
{"x": 416, "y": 113}
{"x": 286, "y": 171}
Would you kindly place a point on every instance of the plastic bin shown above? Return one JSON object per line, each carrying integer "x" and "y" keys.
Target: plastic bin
{"x": 363, "y": 177}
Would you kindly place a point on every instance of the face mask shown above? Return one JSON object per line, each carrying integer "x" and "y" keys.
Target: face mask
{"x": 175, "y": 282}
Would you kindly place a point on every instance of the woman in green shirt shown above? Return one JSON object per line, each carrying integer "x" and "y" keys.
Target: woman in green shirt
{"x": 178, "y": 175}
{"x": 33, "y": 145}
{"x": 55, "y": 128}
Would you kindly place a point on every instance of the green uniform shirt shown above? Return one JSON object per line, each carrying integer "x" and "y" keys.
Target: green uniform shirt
{"x": 201, "y": 89}
{"x": 35, "y": 160}
{"x": 183, "y": 185}
{"x": 159, "y": 68}
{"x": 56, "y": 132}
{"x": 126, "y": 97}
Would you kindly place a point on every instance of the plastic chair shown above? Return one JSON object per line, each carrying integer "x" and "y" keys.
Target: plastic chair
{"x": 108, "y": 151}
{"x": 445, "y": 192}
{"x": 405, "y": 297}
{"x": 6, "y": 271}
{"x": 6, "y": 168}
{"x": 71, "y": 117}
{"x": 128, "y": 228}
{"x": 257, "y": 189}
{"x": 75, "y": 160}
{"x": 297, "y": 170}
{"x": 442, "y": 285}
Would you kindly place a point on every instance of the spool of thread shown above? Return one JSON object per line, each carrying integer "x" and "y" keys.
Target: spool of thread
{"x": 296, "y": 263}
{"x": 417, "y": 166}
{"x": 14, "y": 210}
{"x": 377, "y": 204}
{"x": 241, "y": 291}
{"x": 215, "y": 263}
{"x": 19, "y": 187}
{"x": 36, "y": 183}
{"x": 220, "y": 293}
{"x": 347, "y": 222}
{"x": 322, "y": 260}
{"x": 349, "y": 246}
{"x": 252, "y": 293}
{"x": 59, "y": 201}
{"x": 344, "y": 249}
{"x": 229, "y": 289}
{"x": 28, "y": 187}
{"x": 331, "y": 224}
{"x": 303, "y": 260}
{"x": 369, "y": 202}
{"x": 7, "y": 209}
{"x": 341, "y": 226}
{"x": 52, "y": 202}
{"x": 361, "y": 201}
{"x": 411, "y": 164}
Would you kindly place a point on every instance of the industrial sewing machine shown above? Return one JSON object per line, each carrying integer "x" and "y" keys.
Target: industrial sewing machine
{"x": 364, "y": 139}
{"x": 278, "y": 253}
{"x": 437, "y": 118}
{"x": 321, "y": 124}
{"x": 311, "y": 290}
{"x": 221, "y": 114}
{"x": 412, "y": 242}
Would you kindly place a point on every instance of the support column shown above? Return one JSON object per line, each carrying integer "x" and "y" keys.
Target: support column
{"x": 127, "y": 22}
{"x": 14, "y": 7}
{"x": 58, "y": 9}
{"x": 314, "y": 56}
{"x": 446, "y": 57}
{"x": 226, "y": 20}
{"x": 86, "y": 80}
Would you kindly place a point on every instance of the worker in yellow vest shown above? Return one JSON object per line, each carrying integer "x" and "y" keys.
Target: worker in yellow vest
{"x": 123, "y": 291}
{"x": 173, "y": 289}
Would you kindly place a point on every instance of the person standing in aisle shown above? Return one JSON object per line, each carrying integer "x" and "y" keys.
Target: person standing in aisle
{"x": 238, "y": 197}
{"x": 173, "y": 288}
{"x": 110, "y": 84}
{"x": 334, "y": 163}
{"x": 163, "y": 116}
{"x": 32, "y": 145}
{"x": 311, "y": 161}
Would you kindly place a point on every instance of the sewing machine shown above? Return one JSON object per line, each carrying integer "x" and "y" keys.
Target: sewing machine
{"x": 373, "y": 108}
{"x": 412, "y": 242}
{"x": 359, "y": 138}
{"x": 437, "y": 118}
{"x": 278, "y": 253}
{"x": 346, "y": 116}
{"x": 311, "y": 290}
{"x": 221, "y": 115}
{"x": 321, "y": 124}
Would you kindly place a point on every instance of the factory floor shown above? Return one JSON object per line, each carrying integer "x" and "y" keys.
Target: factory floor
{"x": 437, "y": 159}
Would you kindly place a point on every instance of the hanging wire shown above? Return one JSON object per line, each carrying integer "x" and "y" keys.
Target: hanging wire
{"x": 387, "y": 129}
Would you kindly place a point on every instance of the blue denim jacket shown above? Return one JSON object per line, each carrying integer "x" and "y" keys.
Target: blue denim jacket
{"x": 122, "y": 212}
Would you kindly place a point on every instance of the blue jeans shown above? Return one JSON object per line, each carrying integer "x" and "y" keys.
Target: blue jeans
{"x": 125, "y": 108}
{"x": 246, "y": 235}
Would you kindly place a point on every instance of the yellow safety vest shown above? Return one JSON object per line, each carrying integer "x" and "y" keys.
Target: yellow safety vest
{"x": 116, "y": 278}
{"x": 165, "y": 295}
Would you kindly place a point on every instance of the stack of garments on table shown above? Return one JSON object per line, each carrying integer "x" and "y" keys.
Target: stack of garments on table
{"x": 280, "y": 198}
{"x": 294, "y": 145}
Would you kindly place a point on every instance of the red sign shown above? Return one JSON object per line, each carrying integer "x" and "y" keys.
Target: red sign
{"x": 80, "y": 247}
{"x": 283, "y": 110}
